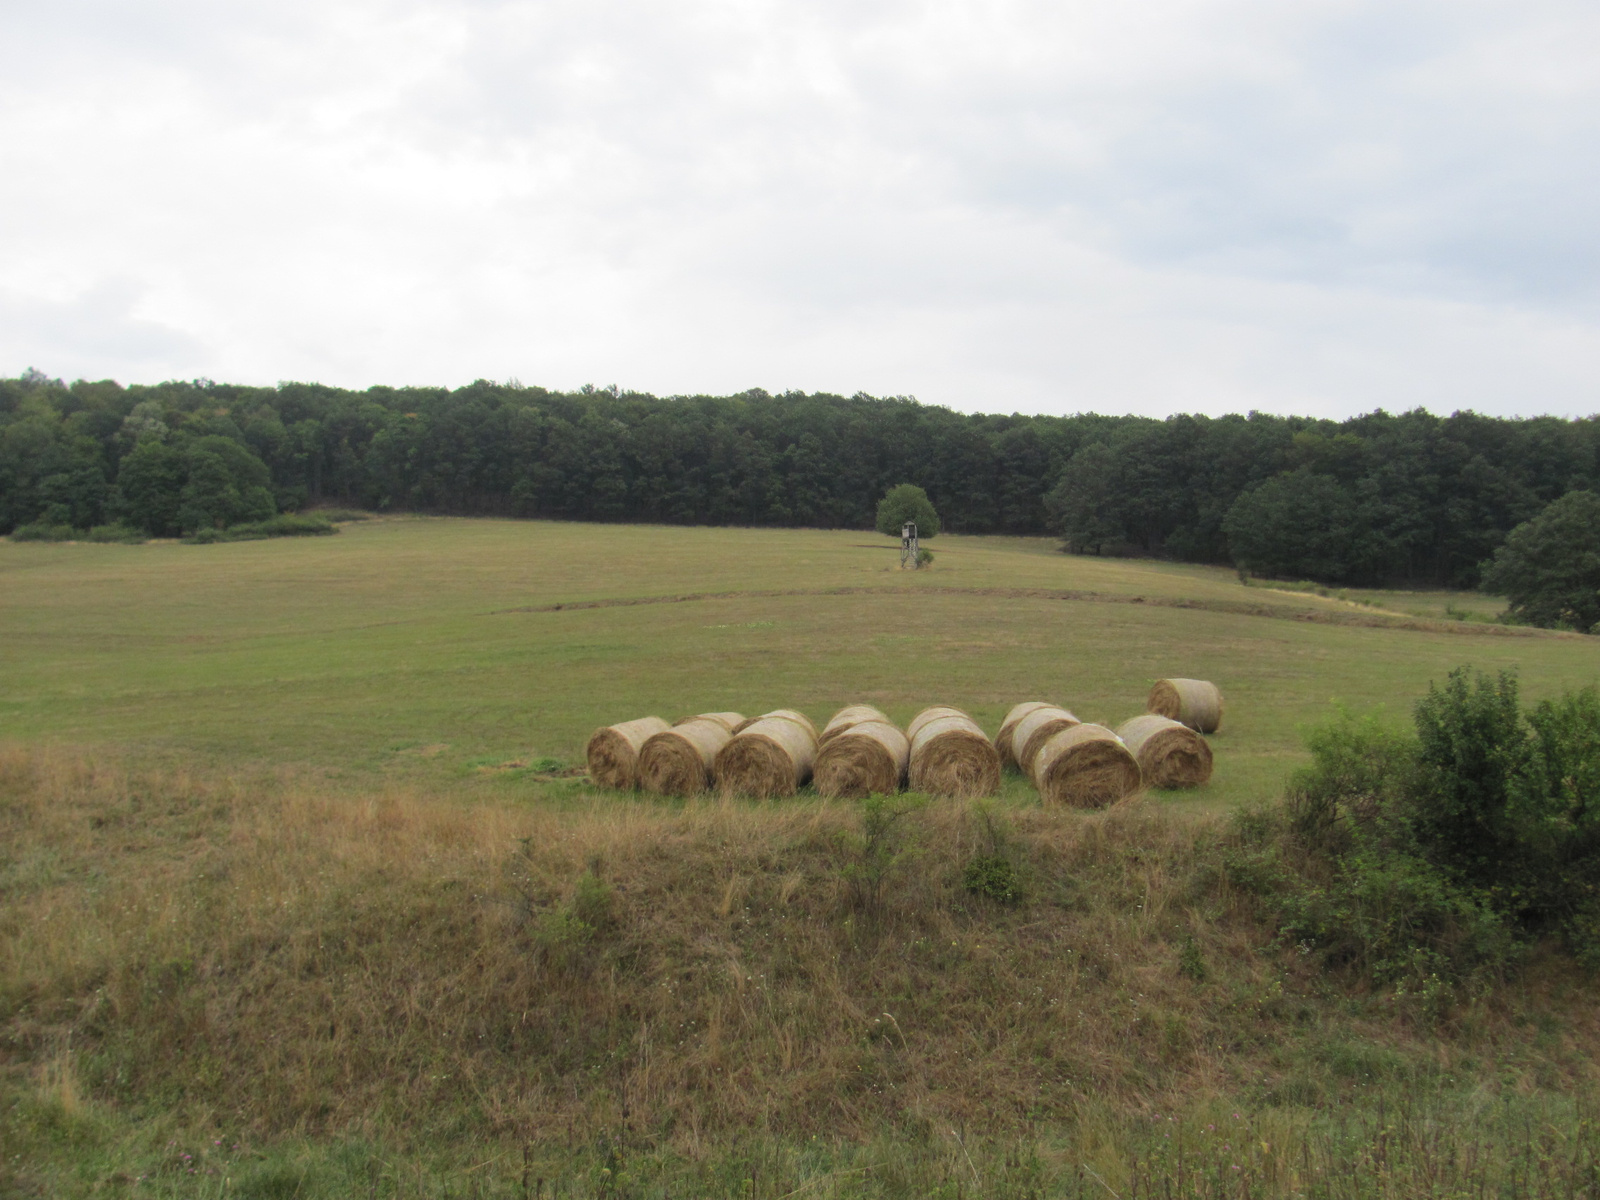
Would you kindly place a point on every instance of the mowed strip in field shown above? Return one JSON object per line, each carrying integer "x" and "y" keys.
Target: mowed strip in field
{"x": 431, "y": 647}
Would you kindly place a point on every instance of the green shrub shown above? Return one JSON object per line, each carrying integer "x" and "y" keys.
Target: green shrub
{"x": 993, "y": 876}
{"x": 283, "y": 525}
{"x": 118, "y": 533}
{"x": 1427, "y": 859}
{"x": 43, "y": 533}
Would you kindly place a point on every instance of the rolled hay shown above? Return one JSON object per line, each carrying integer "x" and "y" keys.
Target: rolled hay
{"x": 677, "y": 761}
{"x": 613, "y": 751}
{"x": 1086, "y": 766}
{"x": 848, "y": 716}
{"x": 934, "y": 713}
{"x": 1170, "y": 754}
{"x": 867, "y": 759}
{"x": 786, "y": 714}
{"x": 1195, "y": 702}
{"x": 1034, "y": 730}
{"x": 728, "y": 720}
{"x": 771, "y": 756}
{"x": 952, "y": 756}
{"x": 1002, "y": 740}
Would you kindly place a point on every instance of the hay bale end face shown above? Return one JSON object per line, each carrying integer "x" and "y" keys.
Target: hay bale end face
{"x": 1086, "y": 766}
{"x": 771, "y": 756}
{"x": 1170, "y": 754}
{"x": 952, "y": 756}
{"x": 1002, "y": 740}
{"x": 613, "y": 751}
{"x": 677, "y": 761}
{"x": 1197, "y": 703}
{"x": 1034, "y": 730}
{"x": 728, "y": 720}
{"x": 849, "y": 716}
{"x": 867, "y": 759}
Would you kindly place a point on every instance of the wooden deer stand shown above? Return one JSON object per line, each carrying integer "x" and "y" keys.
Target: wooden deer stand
{"x": 909, "y": 552}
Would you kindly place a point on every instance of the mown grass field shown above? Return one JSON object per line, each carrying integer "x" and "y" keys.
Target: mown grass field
{"x": 426, "y": 649}
{"x": 294, "y": 901}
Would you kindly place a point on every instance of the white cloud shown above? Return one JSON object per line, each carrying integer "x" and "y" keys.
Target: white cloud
{"x": 1179, "y": 205}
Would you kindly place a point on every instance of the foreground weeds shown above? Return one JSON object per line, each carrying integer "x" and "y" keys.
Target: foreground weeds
{"x": 263, "y": 987}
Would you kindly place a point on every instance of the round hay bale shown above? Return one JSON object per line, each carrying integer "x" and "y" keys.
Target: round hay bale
{"x": 1002, "y": 740}
{"x": 867, "y": 759}
{"x": 1085, "y": 766}
{"x": 1195, "y": 702}
{"x": 613, "y": 751}
{"x": 728, "y": 720}
{"x": 677, "y": 761}
{"x": 771, "y": 756}
{"x": 786, "y": 714}
{"x": 1034, "y": 730}
{"x": 951, "y": 756}
{"x": 931, "y": 714}
{"x": 1170, "y": 754}
{"x": 850, "y": 715}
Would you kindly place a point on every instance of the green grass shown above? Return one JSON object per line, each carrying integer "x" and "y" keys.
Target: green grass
{"x": 412, "y": 647}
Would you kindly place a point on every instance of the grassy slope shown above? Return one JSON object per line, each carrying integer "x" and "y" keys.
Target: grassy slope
{"x": 303, "y": 924}
{"x": 399, "y": 646}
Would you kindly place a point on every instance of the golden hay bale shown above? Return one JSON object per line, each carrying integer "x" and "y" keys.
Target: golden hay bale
{"x": 1034, "y": 730}
{"x": 787, "y": 714}
{"x": 1086, "y": 766}
{"x": 1195, "y": 702}
{"x": 931, "y": 714}
{"x": 728, "y": 720}
{"x": 769, "y": 757}
{"x": 1170, "y": 754}
{"x": 951, "y": 756}
{"x": 677, "y": 761}
{"x": 1002, "y": 740}
{"x": 867, "y": 759}
{"x": 613, "y": 751}
{"x": 850, "y": 715}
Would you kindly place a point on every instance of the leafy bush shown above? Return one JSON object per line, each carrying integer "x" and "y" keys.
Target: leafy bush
{"x": 43, "y": 533}
{"x": 907, "y": 502}
{"x": 283, "y": 525}
{"x": 1549, "y": 567}
{"x": 118, "y": 533}
{"x": 1428, "y": 858}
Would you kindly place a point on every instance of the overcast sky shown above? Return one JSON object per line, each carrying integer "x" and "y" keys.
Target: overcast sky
{"x": 1308, "y": 206}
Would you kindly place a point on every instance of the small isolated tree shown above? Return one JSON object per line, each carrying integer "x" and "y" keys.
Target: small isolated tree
{"x": 1549, "y": 567}
{"x": 907, "y": 502}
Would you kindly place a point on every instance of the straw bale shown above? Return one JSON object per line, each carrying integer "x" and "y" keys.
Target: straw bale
{"x": 952, "y": 756}
{"x": 931, "y": 714}
{"x": 787, "y": 714}
{"x": 772, "y": 756}
{"x": 1002, "y": 740}
{"x": 1085, "y": 766}
{"x": 728, "y": 720}
{"x": 867, "y": 759}
{"x": 850, "y": 715}
{"x": 677, "y": 761}
{"x": 1170, "y": 754}
{"x": 1034, "y": 730}
{"x": 613, "y": 751}
{"x": 1195, "y": 702}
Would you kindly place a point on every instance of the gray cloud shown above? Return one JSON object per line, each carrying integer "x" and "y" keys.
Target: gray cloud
{"x": 1184, "y": 204}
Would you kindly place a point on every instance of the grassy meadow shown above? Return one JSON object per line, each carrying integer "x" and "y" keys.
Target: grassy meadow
{"x": 427, "y": 649}
{"x": 301, "y": 896}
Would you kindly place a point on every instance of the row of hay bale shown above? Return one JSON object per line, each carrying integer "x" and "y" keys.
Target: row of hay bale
{"x": 943, "y": 751}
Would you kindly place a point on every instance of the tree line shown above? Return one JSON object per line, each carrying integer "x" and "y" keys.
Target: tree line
{"x": 1405, "y": 498}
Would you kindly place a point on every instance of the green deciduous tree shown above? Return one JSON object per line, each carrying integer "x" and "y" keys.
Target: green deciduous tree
{"x": 907, "y": 502}
{"x": 1549, "y": 567}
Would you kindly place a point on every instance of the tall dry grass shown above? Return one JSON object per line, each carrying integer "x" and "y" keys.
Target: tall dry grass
{"x": 286, "y": 957}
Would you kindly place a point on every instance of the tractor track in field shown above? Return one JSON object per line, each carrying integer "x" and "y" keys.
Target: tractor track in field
{"x": 1357, "y": 619}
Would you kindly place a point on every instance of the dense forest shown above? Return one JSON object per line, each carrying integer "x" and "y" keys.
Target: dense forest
{"x": 1406, "y": 498}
